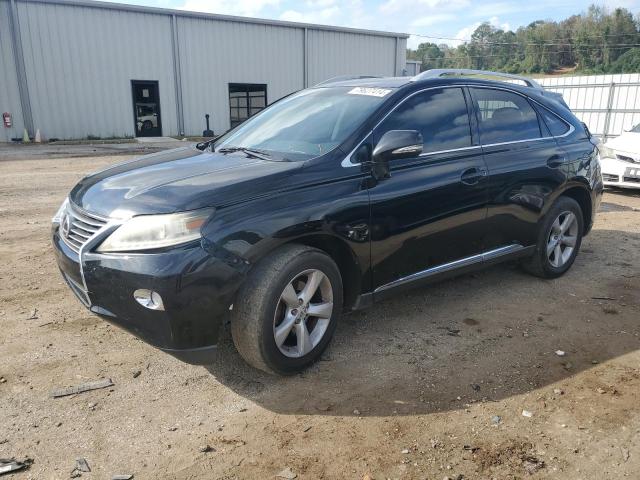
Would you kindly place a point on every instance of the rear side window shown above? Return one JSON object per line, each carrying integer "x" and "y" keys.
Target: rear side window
{"x": 556, "y": 126}
{"x": 505, "y": 116}
{"x": 439, "y": 115}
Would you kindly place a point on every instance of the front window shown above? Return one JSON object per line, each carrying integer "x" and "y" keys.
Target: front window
{"x": 306, "y": 124}
{"x": 636, "y": 129}
{"x": 440, "y": 115}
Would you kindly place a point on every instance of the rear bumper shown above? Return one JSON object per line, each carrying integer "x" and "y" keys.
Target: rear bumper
{"x": 196, "y": 287}
{"x": 616, "y": 173}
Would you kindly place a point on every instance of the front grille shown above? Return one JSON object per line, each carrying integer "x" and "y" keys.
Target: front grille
{"x": 631, "y": 179}
{"x": 77, "y": 227}
{"x": 607, "y": 177}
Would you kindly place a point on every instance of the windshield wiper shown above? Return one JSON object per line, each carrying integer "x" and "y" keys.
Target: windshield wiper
{"x": 261, "y": 154}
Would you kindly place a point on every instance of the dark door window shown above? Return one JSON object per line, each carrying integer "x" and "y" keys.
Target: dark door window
{"x": 439, "y": 115}
{"x": 504, "y": 116}
{"x": 245, "y": 100}
{"x": 146, "y": 108}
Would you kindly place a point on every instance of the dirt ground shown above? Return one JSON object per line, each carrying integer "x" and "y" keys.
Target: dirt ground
{"x": 429, "y": 385}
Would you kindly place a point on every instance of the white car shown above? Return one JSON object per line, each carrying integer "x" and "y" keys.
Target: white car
{"x": 620, "y": 160}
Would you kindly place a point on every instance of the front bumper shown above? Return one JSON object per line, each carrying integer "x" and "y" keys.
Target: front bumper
{"x": 618, "y": 173}
{"x": 197, "y": 289}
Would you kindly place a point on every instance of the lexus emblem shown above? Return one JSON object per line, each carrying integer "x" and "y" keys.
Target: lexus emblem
{"x": 65, "y": 226}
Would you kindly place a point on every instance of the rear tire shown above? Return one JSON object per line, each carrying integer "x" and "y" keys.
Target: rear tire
{"x": 277, "y": 325}
{"x": 559, "y": 240}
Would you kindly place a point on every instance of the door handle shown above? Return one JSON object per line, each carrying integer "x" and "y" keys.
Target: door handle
{"x": 472, "y": 175}
{"x": 555, "y": 161}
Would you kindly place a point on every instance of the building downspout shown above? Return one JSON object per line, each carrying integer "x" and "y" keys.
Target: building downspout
{"x": 18, "y": 55}
{"x": 395, "y": 60}
{"x": 305, "y": 59}
{"x": 177, "y": 76}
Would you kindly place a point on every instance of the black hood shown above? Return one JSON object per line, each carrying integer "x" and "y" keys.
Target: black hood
{"x": 178, "y": 180}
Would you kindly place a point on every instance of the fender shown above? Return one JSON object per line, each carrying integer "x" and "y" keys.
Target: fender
{"x": 245, "y": 233}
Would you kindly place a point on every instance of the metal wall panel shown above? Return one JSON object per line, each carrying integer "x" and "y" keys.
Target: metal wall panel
{"x": 9, "y": 93}
{"x": 80, "y": 62}
{"x": 339, "y": 53}
{"x": 80, "y": 57}
{"x": 608, "y": 104}
{"x": 214, "y": 53}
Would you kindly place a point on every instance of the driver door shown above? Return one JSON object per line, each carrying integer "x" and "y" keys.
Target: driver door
{"x": 432, "y": 208}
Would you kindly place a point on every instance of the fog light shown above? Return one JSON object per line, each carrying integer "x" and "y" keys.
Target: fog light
{"x": 149, "y": 299}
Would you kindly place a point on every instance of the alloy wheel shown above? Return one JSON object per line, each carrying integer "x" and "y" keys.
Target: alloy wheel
{"x": 303, "y": 313}
{"x": 562, "y": 239}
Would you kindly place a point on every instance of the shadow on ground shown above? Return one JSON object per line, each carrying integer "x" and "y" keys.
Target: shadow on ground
{"x": 484, "y": 336}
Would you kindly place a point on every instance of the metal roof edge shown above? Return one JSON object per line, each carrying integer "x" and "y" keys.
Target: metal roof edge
{"x": 213, "y": 16}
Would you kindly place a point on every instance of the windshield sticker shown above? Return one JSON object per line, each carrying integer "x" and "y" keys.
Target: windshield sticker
{"x": 373, "y": 92}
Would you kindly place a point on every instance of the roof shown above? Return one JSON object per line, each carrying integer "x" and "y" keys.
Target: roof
{"x": 437, "y": 77}
{"x": 214, "y": 16}
{"x": 376, "y": 82}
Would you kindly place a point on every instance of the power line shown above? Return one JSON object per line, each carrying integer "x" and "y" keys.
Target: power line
{"x": 466, "y": 57}
{"x": 568, "y": 39}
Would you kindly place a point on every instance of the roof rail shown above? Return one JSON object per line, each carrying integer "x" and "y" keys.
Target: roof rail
{"x": 343, "y": 78}
{"x": 441, "y": 72}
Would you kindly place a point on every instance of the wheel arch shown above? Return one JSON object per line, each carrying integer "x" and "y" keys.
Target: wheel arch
{"x": 344, "y": 257}
{"x": 582, "y": 196}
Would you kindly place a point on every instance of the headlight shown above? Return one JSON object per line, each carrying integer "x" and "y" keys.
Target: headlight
{"x": 606, "y": 152}
{"x": 147, "y": 232}
{"x": 57, "y": 218}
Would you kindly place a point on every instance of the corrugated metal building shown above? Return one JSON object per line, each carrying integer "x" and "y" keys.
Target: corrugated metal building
{"x": 79, "y": 68}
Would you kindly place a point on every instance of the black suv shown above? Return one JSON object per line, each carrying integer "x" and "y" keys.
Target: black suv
{"x": 330, "y": 199}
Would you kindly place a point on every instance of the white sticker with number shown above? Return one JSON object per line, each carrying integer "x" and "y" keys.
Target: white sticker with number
{"x": 373, "y": 92}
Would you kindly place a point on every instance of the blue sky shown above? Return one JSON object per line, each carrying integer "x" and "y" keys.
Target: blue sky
{"x": 440, "y": 18}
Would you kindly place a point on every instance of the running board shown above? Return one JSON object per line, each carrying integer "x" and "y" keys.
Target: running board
{"x": 455, "y": 265}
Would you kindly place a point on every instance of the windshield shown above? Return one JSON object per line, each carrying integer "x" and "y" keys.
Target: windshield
{"x": 307, "y": 124}
{"x": 636, "y": 129}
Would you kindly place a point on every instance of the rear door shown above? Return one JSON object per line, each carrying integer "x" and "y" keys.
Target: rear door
{"x": 524, "y": 161}
{"x": 432, "y": 208}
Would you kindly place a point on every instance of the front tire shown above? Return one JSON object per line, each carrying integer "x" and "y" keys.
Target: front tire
{"x": 287, "y": 310}
{"x": 559, "y": 240}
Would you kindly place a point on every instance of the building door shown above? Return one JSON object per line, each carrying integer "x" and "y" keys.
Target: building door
{"x": 146, "y": 108}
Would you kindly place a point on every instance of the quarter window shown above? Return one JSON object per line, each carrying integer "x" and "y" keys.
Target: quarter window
{"x": 505, "y": 116}
{"x": 441, "y": 117}
{"x": 556, "y": 126}
{"x": 245, "y": 100}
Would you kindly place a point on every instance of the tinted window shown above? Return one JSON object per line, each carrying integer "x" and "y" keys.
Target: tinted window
{"x": 556, "y": 126}
{"x": 439, "y": 115}
{"x": 505, "y": 116}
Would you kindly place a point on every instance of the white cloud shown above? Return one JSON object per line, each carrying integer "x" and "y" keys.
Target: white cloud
{"x": 465, "y": 33}
{"x": 346, "y": 13}
{"x": 393, "y": 6}
{"x": 320, "y": 3}
{"x": 429, "y": 20}
{"x": 315, "y": 16}
{"x": 248, "y": 8}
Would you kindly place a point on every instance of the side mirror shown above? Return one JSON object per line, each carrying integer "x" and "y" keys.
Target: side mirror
{"x": 395, "y": 144}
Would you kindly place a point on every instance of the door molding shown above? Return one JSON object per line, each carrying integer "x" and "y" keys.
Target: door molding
{"x": 479, "y": 258}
